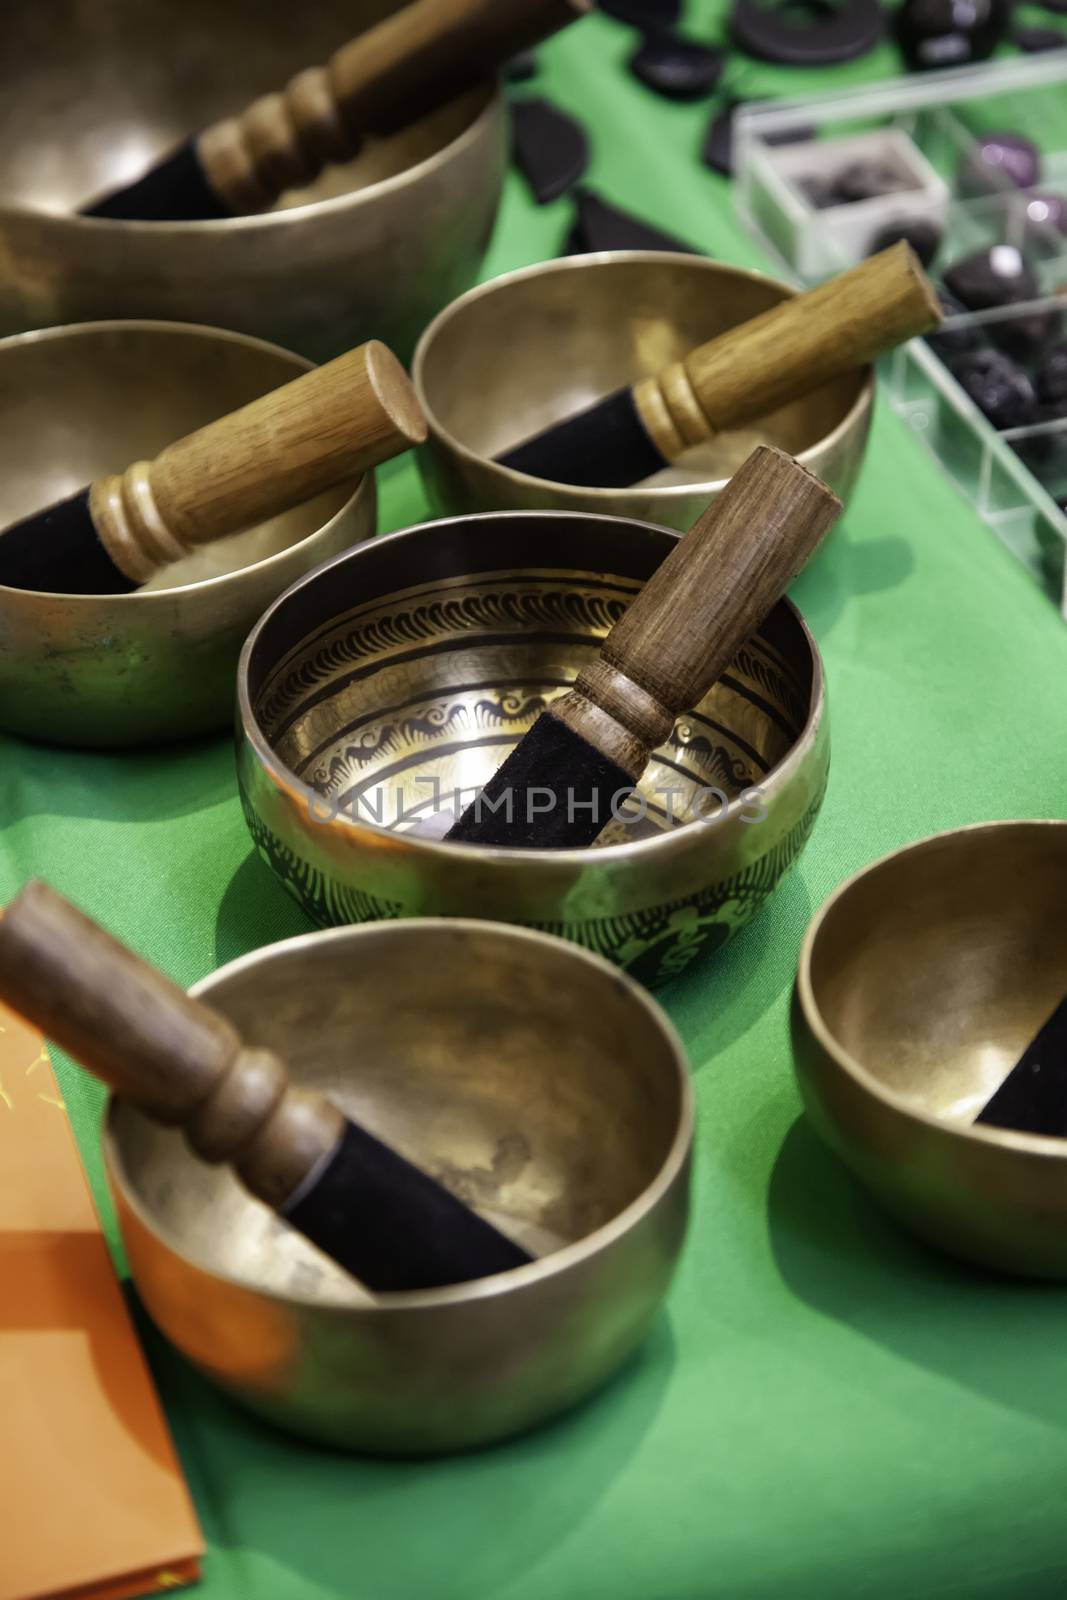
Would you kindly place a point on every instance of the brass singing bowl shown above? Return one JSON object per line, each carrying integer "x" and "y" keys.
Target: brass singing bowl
{"x": 91, "y": 95}
{"x": 921, "y": 982}
{"x": 534, "y": 1081}
{"x": 535, "y": 346}
{"x": 158, "y": 664}
{"x": 409, "y": 668}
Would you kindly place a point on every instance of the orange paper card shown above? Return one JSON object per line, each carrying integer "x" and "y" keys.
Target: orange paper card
{"x": 93, "y": 1505}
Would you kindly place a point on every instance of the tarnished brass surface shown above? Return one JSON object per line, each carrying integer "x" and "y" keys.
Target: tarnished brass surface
{"x": 158, "y": 664}
{"x": 517, "y": 354}
{"x": 423, "y": 658}
{"x": 537, "y": 1083}
{"x": 921, "y": 981}
{"x": 92, "y": 94}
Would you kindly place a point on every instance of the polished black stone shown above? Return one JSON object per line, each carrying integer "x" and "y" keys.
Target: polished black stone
{"x": 806, "y": 33}
{"x": 677, "y": 68}
{"x": 923, "y": 235}
{"x": 950, "y": 33}
{"x": 999, "y": 276}
{"x": 1051, "y": 379}
{"x": 999, "y": 161}
{"x": 999, "y": 388}
{"x": 1035, "y": 40}
{"x": 522, "y": 68}
{"x": 601, "y": 226}
{"x": 550, "y": 148}
{"x": 865, "y": 180}
{"x": 718, "y": 149}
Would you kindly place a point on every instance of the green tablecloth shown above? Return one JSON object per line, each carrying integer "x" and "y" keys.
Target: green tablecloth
{"x": 826, "y": 1409}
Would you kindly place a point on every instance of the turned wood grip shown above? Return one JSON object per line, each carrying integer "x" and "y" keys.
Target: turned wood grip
{"x": 416, "y": 60}
{"x": 278, "y": 451}
{"x": 178, "y": 1061}
{"x": 788, "y": 351}
{"x": 680, "y": 633}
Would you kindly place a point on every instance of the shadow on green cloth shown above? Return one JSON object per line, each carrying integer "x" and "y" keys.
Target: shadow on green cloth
{"x": 398, "y": 1529}
{"x": 255, "y": 911}
{"x": 128, "y": 786}
{"x": 841, "y": 1254}
{"x": 858, "y": 567}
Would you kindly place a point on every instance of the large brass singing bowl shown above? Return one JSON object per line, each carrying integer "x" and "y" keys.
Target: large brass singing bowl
{"x": 525, "y": 350}
{"x": 921, "y": 982}
{"x": 533, "y": 1080}
{"x": 409, "y": 668}
{"x": 92, "y": 94}
{"x": 158, "y": 664}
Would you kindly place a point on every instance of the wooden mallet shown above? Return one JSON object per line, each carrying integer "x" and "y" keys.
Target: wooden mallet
{"x": 275, "y": 453}
{"x": 184, "y": 1065}
{"x": 743, "y": 374}
{"x": 384, "y": 80}
{"x": 583, "y": 755}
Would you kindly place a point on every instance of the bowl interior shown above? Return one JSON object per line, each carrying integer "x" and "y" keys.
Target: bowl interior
{"x": 396, "y": 702}
{"x": 936, "y": 967}
{"x": 530, "y": 1080}
{"x": 82, "y": 401}
{"x": 581, "y": 328}
{"x": 91, "y": 95}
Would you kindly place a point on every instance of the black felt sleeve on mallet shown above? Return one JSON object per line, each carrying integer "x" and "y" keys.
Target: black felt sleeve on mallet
{"x": 1033, "y": 1097}
{"x": 676, "y": 638}
{"x": 176, "y": 190}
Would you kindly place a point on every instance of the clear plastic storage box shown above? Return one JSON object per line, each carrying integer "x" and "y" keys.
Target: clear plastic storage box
{"x": 926, "y": 131}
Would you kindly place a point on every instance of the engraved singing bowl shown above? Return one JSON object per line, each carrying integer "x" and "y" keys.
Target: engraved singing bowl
{"x": 91, "y": 95}
{"x": 574, "y": 331}
{"x": 409, "y": 668}
{"x": 158, "y": 664}
{"x": 921, "y": 981}
{"x": 530, "y": 1077}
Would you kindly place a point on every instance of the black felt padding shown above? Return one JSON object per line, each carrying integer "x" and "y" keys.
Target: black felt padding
{"x": 176, "y": 190}
{"x": 1033, "y": 1097}
{"x": 605, "y": 447}
{"x": 57, "y": 551}
{"x": 393, "y": 1226}
{"x": 554, "y": 792}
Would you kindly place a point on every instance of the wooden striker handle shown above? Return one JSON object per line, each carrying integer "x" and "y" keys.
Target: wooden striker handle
{"x": 416, "y": 60}
{"x": 177, "y": 1060}
{"x": 278, "y": 451}
{"x": 680, "y": 633}
{"x": 788, "y": 351}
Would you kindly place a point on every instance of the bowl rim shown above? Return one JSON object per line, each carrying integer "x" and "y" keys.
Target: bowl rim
{"x": 1031, "y": 1144}
{"x": 592, "y": 494}
{"x": 542, "y": 1269}
{"x": 159, "y": 597}
{"x": 255, "y": 221}
{"x": 629, "y": 849}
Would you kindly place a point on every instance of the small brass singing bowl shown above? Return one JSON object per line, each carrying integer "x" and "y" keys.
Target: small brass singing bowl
{"x": 539, "y": 1084}
{"x": 158, "y": 664}
{"x": 373, "y": 249}
{"x": 406, "y": 670}
{"x": 512, "y": 357}
{"x": 921, "y": 982}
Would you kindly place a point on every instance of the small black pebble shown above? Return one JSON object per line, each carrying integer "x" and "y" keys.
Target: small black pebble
{"x": 865, "y": 180}
{"x": 1025, "y": 338}
{"x": 600, "y": 226}
{"x": 1051, "y": 380}
{"x": 923, "y": 235}
{"x": 998, "y": 276}
{"x": 718, "y": 149}
{"x": 644, "y": 13}
{"x": 1035, "y": 40}
{"x": 550, "y": 148}
{"x": 523, "y": 67}
{"x": 949, "y": 341}
{"x": 999, "y": 388}
{"x": 676, "y": 67}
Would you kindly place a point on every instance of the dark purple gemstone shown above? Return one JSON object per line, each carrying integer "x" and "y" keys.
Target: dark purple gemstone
{"x": 865, "y": 180}
{"x": 950, "y": 33}
{"x": 1044, "y": 213}
{"x": 999, "y": 388}
{"x": 677, "y": 68}
{"x": 999, "y": 161}
{"x": 950, "y": 341}
{"x": 923, "y": 235}
{"x": 1051, "y": 381}
{"x": 999, "y": 276}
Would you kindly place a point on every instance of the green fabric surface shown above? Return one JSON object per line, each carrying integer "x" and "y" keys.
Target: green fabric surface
{"x": 826, "y": 1409}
